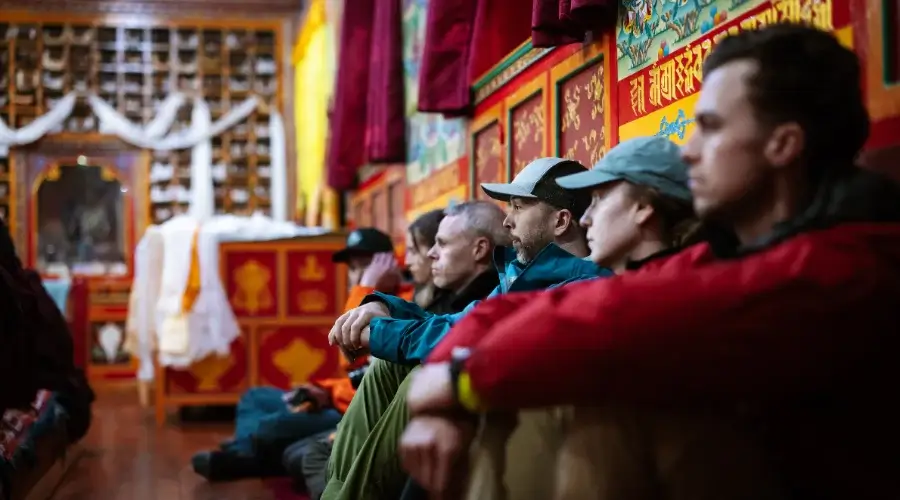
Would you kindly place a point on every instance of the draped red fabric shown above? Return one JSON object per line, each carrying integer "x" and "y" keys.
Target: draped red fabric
{"x": 386, "y": 116}
{"x": 367, "y": 118}
{"x": 463, "y": 39}
{"x": 560, "y": 22}
{"x": 348, "y": 116}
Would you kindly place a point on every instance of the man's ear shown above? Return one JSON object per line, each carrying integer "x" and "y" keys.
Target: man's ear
{"x": 785, "y": 145}
{"x": 642, "y": 212}
{"x": 563, "y": 221}
{"x": 481, "y": 249}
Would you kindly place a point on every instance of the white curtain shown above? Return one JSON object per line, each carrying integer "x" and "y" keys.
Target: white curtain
{"x": 38, "y": 128}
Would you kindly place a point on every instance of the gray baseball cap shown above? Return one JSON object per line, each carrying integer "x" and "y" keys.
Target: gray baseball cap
{"x": 538, "y": 181}
{"x": 645, "y": 161}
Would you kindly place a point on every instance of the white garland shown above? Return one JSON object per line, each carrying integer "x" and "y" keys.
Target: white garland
{"x": 196, "y": 137}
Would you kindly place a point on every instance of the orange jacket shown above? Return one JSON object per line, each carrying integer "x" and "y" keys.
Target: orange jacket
{"x": 340, "y": 388}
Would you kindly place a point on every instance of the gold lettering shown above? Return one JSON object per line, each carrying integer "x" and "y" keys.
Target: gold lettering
{"x": 822, "y": 15}
{"x": 790, "y": 11}
{"x": 662, "y": 83}
{"x": 767, "y": 17}
{"x": 655, "y": 97}
{"x": 748, "y": 24}
{"x": 638, "y": 97}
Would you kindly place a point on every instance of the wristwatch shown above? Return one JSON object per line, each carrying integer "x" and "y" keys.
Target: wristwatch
{"x": 458, "y": 358}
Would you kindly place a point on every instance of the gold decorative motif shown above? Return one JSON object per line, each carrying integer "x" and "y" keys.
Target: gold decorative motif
{"x": 488, "y": 151}
{"x": 209, "y": 370}
{"x": 571, "y": 118}
{"x": 594, "y": 89}
{"x": 108, "y": 174}
{"x": 530, "y": 126}
{"x": 312, "y": 301}
{"x": 252, "y": 292}
{"x": 298, "y": 361}
{"x": 311, "y": 270}
{"x": 53, "y": 173}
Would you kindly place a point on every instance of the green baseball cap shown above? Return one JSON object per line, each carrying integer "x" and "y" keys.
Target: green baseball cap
{"x": 645, "y": 161}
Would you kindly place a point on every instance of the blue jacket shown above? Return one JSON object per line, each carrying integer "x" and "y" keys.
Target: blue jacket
{"x": 409, "y": 335}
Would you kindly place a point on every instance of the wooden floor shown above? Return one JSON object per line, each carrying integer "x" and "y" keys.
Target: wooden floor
{"x": 127, "y": 458}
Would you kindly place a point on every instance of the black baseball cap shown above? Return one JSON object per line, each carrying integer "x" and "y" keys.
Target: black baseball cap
{"x": 364, "y": 241}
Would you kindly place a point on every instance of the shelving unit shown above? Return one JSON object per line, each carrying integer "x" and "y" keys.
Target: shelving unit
{"x": 134, "y": 69}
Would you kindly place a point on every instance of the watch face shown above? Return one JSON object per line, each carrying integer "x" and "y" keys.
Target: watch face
{"x": 460, "y": 352}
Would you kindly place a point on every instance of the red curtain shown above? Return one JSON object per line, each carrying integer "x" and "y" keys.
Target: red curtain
{"x": 560, "y": 22}
{"x": 463, "y": 39}
{"x": 367, "y": 119}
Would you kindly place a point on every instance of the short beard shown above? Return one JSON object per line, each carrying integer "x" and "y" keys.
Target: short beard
{"x": 525, "y": 253}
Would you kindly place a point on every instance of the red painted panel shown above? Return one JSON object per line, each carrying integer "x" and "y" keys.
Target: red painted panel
{"x": 527, "y": 132}
{"x": 488, "y": 148}
{"x": 311, "y": 284}
{"x": 213, "y": 375}
{"x": 251, "y": 282}
{"x": 294, "y": 354}
{"x": 582, "y": 129}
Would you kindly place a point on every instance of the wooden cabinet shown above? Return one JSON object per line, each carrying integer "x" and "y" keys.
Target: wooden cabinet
{"x": 286, "y": 295}
{"x": 133, "y": 66}
{"x": 78, "y": 204}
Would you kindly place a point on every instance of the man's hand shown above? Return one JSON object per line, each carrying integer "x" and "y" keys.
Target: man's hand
{"x": 382, "y": 274}
{"x": 435, "y": 448}
{"x": 351, "y": 330}
{"x": 431, "y": 390}
{"x": 317, "y": 398}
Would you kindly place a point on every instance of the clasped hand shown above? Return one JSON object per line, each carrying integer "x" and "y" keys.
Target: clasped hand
{"x": 351, "y": 331}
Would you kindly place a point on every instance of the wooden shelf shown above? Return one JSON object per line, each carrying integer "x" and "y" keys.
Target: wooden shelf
{"x": 134, "y": 69}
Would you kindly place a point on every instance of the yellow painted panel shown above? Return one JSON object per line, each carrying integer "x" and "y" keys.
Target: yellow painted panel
{"x": 675, "y": 121}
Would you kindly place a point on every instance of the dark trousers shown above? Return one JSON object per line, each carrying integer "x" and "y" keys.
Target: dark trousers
{"x": 265, "y": 426}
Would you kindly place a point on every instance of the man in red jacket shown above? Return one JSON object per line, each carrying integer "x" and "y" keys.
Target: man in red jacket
{"x": 790, "y": 310}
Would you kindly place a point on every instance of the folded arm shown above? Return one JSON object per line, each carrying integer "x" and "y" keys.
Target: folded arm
{"x": 397, "y": 307}
{"x": 408, "y": 342}
{"x": 787, "y": 319}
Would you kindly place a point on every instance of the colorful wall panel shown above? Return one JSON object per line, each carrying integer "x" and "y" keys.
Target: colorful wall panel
{"x": 661, "y": 47}
{"x": 528, "y": 138}
{"x": 581, "y": 111}
{"x": 488, "y": 156}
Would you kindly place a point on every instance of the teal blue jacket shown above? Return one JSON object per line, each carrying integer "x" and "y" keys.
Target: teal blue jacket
{"x": 409, "y": 335}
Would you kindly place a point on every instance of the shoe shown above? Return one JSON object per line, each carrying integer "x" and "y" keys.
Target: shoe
{"x": 224, "y": 466}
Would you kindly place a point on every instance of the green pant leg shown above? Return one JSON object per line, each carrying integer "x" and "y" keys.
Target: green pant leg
{"x": 373, "y": 398}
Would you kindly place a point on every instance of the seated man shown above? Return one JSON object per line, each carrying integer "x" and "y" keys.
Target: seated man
{"x": 782, "y": 328}
{"x": 269, "y": 419}
{"x": 548, "y": 249}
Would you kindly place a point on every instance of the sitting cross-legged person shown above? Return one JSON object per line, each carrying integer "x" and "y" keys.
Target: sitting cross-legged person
{"x": 269, "y": 419}
{"x": 548, "y": 249}
{"x": 306, "y": 460}
{"x": 755, "y": 365}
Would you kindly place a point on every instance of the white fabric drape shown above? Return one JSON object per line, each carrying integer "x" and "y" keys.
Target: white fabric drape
{"x": 38, "y": 128}
{"x": 203, "y": 201}
{"x": 278, "y": 189}
{"x": 152, "y": 136}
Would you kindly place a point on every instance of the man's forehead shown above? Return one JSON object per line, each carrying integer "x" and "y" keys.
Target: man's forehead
{"x": 451, "y": 224}
{"x": 726, "y": 87}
